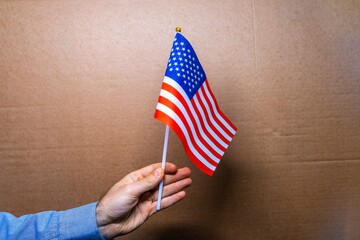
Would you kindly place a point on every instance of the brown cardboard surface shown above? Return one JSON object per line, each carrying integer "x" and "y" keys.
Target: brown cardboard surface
{"x": 79, "y": 81}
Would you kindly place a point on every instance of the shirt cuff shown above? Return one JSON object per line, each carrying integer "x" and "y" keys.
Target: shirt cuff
{"x": 79, "y": 223}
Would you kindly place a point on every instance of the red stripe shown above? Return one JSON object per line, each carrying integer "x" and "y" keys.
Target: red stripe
{"x": 208, "y": 134}
{"x": 217, "y": 106}
{"x": 174, "y": 126}
{"x": 208, "y": 119}
{"x": 221, "y": 125}
{"x": 172, "y": 106}
{"x": 178, "y": 95}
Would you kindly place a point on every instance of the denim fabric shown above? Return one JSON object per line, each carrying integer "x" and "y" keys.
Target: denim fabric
{"x": 77, "y": 223}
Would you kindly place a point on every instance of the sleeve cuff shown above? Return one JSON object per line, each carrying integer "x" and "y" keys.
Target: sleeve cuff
{"x": 79, "y": 223}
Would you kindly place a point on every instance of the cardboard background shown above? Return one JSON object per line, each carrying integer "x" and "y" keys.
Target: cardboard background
{"x": 79, "y": 81}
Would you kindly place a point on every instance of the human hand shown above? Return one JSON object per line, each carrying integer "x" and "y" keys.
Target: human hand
{"x": 131, "y": 201}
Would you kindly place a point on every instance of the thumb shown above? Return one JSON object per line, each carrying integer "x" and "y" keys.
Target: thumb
{"x": 149, "y": 182}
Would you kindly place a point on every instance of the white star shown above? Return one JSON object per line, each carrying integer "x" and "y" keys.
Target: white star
{"x": 177, "y": 69}
{"x": 182, "y": 43}
{"x": 178, "y": 74}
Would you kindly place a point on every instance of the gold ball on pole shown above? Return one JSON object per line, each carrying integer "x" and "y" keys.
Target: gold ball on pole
{"x": 178, "y": 29}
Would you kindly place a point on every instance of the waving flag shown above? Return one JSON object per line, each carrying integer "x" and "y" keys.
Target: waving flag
{"x": 188, "y": 106}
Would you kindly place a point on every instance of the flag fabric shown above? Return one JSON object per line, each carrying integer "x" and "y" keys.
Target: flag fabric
{"x": 187, "y": 105}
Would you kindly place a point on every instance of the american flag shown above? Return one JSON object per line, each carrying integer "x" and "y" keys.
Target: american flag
{"x": 188, "y": 106}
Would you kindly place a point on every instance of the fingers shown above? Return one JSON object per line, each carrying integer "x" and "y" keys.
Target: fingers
{"x": 171, "y": 200}
{"x": 175, "y": 183}
{"x": 173, "y": 188}
{"x": 149, "y": 177}
{"x": 137, "y": 175}
{"x": 147, "y": 183}
{"x": 180, "y": 174}
{"x": 168, "y": 201}
{"x": 169, "y": 168}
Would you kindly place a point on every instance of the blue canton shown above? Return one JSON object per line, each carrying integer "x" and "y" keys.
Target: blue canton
{"x": 184, "y": 66}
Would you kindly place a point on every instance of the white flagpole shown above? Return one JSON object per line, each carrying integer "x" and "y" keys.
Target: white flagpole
{"x": 166, "y": 140}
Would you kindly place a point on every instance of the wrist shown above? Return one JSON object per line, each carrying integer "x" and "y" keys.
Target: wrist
{"x": 101, "y": 221}
{"x": 100, "y": 216}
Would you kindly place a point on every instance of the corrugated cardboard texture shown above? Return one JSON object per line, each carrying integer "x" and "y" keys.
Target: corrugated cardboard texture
{"x": 79, "y": 81}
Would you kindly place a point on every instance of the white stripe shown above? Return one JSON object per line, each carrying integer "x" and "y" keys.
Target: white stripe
{"x": 196, "y": 102}
{"x": 177, "y": 102}
{"x": 207, "y": 92}
{"x": 175, "y": 85}
{"x": 166, "y": 110}
{"x": 211, "y": 116}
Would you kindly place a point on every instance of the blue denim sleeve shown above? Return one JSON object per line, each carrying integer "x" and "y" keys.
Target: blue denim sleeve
{"x": 77, "y": 223}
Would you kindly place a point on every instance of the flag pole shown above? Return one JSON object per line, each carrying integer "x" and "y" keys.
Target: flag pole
{"x": 163, "y": 161}
{"x": 166, "y": 140}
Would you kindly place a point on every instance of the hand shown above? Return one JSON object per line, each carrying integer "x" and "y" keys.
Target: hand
{"x": 131, "y": 201}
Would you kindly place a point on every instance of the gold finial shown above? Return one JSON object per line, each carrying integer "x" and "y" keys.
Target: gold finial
{"x": 178, "y": 29}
